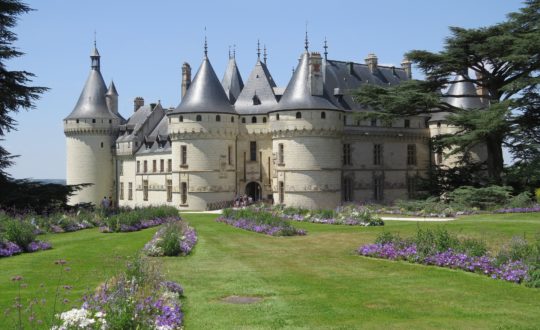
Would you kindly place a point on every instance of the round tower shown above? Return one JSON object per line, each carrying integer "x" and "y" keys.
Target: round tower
{"x": 91, "y": 129}
{"x": 307, "y": 134}
{"x": 203, "y": 132}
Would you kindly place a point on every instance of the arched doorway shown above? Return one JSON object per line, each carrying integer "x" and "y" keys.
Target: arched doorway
{"x": 253, "y": 190}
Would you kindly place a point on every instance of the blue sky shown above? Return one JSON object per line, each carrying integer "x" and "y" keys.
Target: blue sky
{"x": 144, "y": 43}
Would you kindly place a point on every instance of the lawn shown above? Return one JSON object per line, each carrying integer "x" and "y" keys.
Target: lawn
{"x": 311, "y": 282}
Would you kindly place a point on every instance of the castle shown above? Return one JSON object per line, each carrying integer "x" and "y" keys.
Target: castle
{"x": 302, "y": 145}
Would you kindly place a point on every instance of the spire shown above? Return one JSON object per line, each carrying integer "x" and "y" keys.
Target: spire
{"x": 258, "y": 49}
{"x": 232, "y": 80}
{"x": 257, "y": 96}
{"x": 229, "y": 51}
{"x": 205, "y": 44}
{"x": 95, "y": 57}
{"x": 325, "y": 49}
{"x": 234, "y": 51}
{"x": 112, "y": 89}
{"x": 265, "y": 55}
{"x": 306, "y": 40}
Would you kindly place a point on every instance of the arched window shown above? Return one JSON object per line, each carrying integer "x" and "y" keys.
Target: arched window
{"x": 232, "y": 119}
{"x": 181, "y": 119}
{"x": 277, "y": 116}
{"x": 218, "y": 118}
{"x": 264, "y": 119}
{"x": 243, "y": 120}
{"x": 253, "y": 120}
{"x": 298, "y": 115}
{"x": 323, "y": 115}
{"x": 198, "y": 118}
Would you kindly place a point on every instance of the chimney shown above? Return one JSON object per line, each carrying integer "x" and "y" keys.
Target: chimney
{"x": 137, "y": 103}
{"x": 186, "y": 78}
{"x": 315, "y": 74}
{"x": 481, "y": 90}
{"x": 371, "y": 62}
{"x": 406, "y": 65}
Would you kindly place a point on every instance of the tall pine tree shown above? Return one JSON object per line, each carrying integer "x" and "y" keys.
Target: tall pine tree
{"x": 505, "y": 59}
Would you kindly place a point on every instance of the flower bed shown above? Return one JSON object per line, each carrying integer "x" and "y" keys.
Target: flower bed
{"x": 173, "y": 239}
{"x": 138, "y": 299}
{"x": 351, "y": 215}
{"x": 138, "y": 219}
{"x": 441, "y": 249}
{"x": 259, "y": 221}
{"x": 8, "y": 249}
{"x": 532, "y": 209}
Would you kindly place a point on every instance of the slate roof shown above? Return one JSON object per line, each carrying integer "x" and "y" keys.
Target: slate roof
{"x": 129, "y": 130}
{"x": 205, "y": 94}
{"x": 232, "y": 81}
{"x": 112, "y": 89}
{"x": 260, "y": 85}
{"x": 158, "y": 140}
{"x": 462, "y": 94}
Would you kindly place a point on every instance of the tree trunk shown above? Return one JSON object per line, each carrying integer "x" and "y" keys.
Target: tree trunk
{"x": 495, "y": 161}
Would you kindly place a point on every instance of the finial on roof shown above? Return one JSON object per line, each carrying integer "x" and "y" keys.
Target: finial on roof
{"x": 95, "y": 42}
{"x": 325, "y": 49}
{"x": 229, "y": 52}
{"x": 258, "y": 49}
{"x": 205, "y": 43}
{"x": 293, "y": 69}
{"x": 306, "y": 41}
{"x": 234, "y": 51}
{"x": 265, "y": 55}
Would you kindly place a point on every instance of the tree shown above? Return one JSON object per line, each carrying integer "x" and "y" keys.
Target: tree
{"x": 505, "y": 58}
{"x": 14, "y": 92}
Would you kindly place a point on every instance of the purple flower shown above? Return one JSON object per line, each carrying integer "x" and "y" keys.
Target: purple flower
{"x": 8, "y": 249}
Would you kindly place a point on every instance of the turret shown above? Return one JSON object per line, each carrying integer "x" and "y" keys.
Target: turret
{"x": 232, "y": 80}
{"x": 112, "y": 98}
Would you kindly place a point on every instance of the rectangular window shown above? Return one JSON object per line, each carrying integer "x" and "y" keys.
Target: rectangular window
{"x": 162, "y": 165}
{"x": 121, "y": 167}
{"x": 281, "y": 156}
{"x": 411, "y": 186}
{"x": 154, "y": 166}
{"x": 281, "y": 192}
{"x": 138, "y": 166}
{"x": 121, "y": 191}
{"x": 145, "y": 167}
{"x": 411, "y": 154}
{"x": 253, "y": 151}
{"x": 183, "y": 155}
{"x": 346, "y": 154}
{"x": 229, "y": 155}
{"x": 145, "y": 190}
{"x": 183, "y": 193}
{"x": 348, "y": 189}
{"x": 130, "y": 191}
{"x": 378, "y": 183}
{"x": 377, "y": 154}
{"x": 373, "y": 122}
{"x": 169, "y": 190}
{"x": 407, "y": 123}
{"x": 169, "y": 165}
{"x": 439, "y": 157}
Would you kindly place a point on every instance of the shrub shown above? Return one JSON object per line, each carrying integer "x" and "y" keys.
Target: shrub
{"x": 473, "y": 247}
{"x": 485, "y": 198}
{"x": 20, "y": 232}
{"x": 537, "y": 194}
{"x": 519, "y": 201}
{"x": 387, "y": 237}
{"x": 173, "y": 239}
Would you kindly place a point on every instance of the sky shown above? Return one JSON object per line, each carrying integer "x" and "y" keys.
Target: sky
{"x": 144, "y": 43}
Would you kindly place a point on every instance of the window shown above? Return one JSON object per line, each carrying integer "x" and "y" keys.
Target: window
{"x": 346, "y": 154}
{"x": 439, "y": 156}
{"x": 93, "y": 121}
{"x": 169, "y": 165}
{"x": 121, "y": 167}
{"x": 229, "y": 155}
{"x": 169, "y": 190}
{"x": 102, "y": 144}
{"x": 253, "y": 120}
{"x": 253, "y": 150}
{"x": 411, "y": 186}
{"x": 407, "y": 123}
{"x": 377, "y": 154}
{"x": 145, "y": 166}
{"x": 198, "y": 118}
{"x": 181, "y": 119}
{"x": 411, "y": 154}
{"x": 183, "y": 193}
{"x": 145, "y": 190}
{"x": 281, "y": 156}
{"x": 298, "y": 115}
{"x": 438, "y": 124}
{"x": 162, "y": 165}
{"x": 264, "y": 119}
{"x": 426, "y": 122}
{"x": 378, "y": 182}
{"x": 110, "y": 121}
{"x": 183, "y": 155}
{"x": 348, "y": 185}
{"x": 323, "y": 115}
{"x": 281, "y": 192}
{"x": 277, "y": 116}
{"x": 154, "y": 166}
{"x": 256, "y": 100}
{"x": 232, "y": 119}
{"x": 218, "y": 118}
{"x": 121, "y": 191}
{"x": 130, "y": 191}
{"x": 344, "y": 120}
{"x": 77, "y": 121}
{"x": 138, "y": 166}
{"x": 243, "y": 120}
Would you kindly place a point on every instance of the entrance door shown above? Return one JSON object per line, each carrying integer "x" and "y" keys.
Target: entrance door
{"x": 253, "y": 190}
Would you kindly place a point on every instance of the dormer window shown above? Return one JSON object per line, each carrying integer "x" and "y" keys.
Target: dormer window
{"x": 218, "y": 118}
{"x": 253, "y": 120}
{"x": 298, "y": 115}
{"x": 256, "y": 100}
{"x": 198, "y": 118}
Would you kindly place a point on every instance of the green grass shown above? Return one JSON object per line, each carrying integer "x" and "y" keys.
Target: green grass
{"x": 306, "y": 282}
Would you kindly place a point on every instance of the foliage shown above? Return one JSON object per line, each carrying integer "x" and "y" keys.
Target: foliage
{"x": 483, "y": 198}
{"x": 504, "y": 58}
{"x": 521, "y": 200}
{"x": 20, "y": 233}
{"x": 351, "y": 215}
{"x": 537, "y": 194}
{"x": 259, "y": 221}
{"x": 173, "y": 239}
{"x": 139, "y": 218}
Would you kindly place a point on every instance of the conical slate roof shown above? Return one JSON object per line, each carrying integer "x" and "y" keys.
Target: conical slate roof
{"x": 92, "y": 104}
{"x": 232, "y": 81}
{"x": 259, "y": 86}
{"x": 297, "y": 95}
{"x": 462, "y": 94}
{"x": 112, "y": 89}
{"x": 205, "y": 93}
